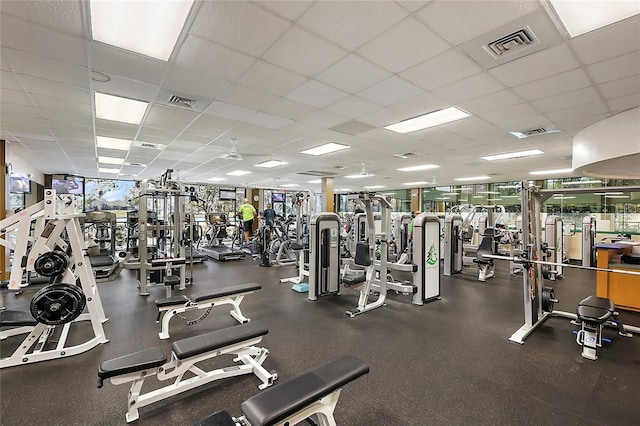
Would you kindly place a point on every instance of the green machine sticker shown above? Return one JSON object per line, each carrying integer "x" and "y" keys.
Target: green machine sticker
{"x": 432, "y": 257}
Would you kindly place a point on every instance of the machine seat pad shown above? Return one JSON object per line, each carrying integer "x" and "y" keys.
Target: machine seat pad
{"x": 137, "y": 361}
{"x": 10, "y": 318}
{"x": 172, "y": 280}
{"x": 220, "y": 418}
{"x": 283, "y": 400}
{"x": 598, "y": 302}
{"x": 227, "y": 291}
{"x": 591, "y": 314}
{"x": 354, "y": 280}
{"x": 180, "y": 299}
{"x": 296, "y": 246}
{"x": 102, "y": 260}
{"x": 197, "y": 345}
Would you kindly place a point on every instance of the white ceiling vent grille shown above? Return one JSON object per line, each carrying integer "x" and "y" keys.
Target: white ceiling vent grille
{"x": 181, "y": 102}
{"x": 511, "y": 43}
{"x": 408, "y": 155}
{"x": 148, "y": 145}
{"x": 533, "y": 132}
{"x": 318, "y": 173}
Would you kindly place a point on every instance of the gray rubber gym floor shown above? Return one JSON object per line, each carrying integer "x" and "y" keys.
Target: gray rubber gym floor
{"x": 446, "y": 363}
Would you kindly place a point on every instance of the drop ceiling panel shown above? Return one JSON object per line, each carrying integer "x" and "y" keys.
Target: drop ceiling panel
{"x": 46, "y": 68}
{"x": 293, "y": 110}
{"x": 270, "y": 121}
{"x": 595, "y": 108}
{"x": 505, "y": 115}
{"x": 161, "y": 112}
{"x": 444, "y": 69}
{"x": 391, "y": 91}
{"x": 526, "y": 122}
{"x": 351, "y": 24}
{"x": 225, "y": 110}
{"x": 189, "y": 83}
{"x": 316, "y": 94}
{"x": 15, "y": 97}
{"x": 45, "y": 102}
{"x": 215, "y": 122}
{"x": 624, "y": 103}
{"x": 616, "y": 68}
{"x": 118, "y": 62}
{"x": 567, "y": 100}
{"x": 554, "y": 85}
{"x": 470, "y": 88}
{"x": 223, "y": 22}
{"x": 9, "y": 81}
{"x": 246, "y": 97}
{"x": 353, "y": 107}
{"x": 290, "y": 10}
{"x": 303, "y": 52}
{"x": 403, "y": 46}
{"x": 622, "y": 87}
{"x": 65, "y": 16}
{"x": 323, "y": 119}
{"x": 271, "y": 79}
{"x": 608, "y": 42}
{"x": 52, "y": 89}
{"x": 353, "y": 74}
{"x": 492, "y": 102}
{"x": 383, "y": 117}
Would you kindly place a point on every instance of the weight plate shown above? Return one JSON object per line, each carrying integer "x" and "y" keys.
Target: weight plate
{"x": 51, "y": 263}
{"x": 58, "y": 304}
{"x": 546, "y": 272}
{"x": 548, "y": 299}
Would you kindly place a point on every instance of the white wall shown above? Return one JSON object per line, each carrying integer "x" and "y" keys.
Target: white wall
{"x": 18, "y": 156}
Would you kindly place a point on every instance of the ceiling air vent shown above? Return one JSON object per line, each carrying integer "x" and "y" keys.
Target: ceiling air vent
{"x": 180, "y": 101}
{"x": 533, "y": 132}
{"x": 408, "y": 155}
{"x": 316, "y": 173}
{"x": 148, "y": 145}
{"x": 511, "y": 43}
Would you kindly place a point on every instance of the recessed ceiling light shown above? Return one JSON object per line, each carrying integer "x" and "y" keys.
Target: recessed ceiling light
{"x": 608, "y": 193}
{"x": 113, "y": 143}
{"x": 315, "y": 181}
{"x": 216, "y": 179}
{"x": 489, "y": 192}
{"x": 616, "y": 196}
{"x": 513, "y": 155}
{"x": 508, "y": 186}
{"x": 325, "y": 149}
{"x": 478, "y": 196}
{"x": 551, "y": 172}
{"x": 110, "y": 160}
{"x": 148, "y": 28}
{"x": 580, "y": 17}
{"x": 271, "y": 163}
{"x": 494, "y": 199}
{"x": 450, "y": 193}
{"x": 442, "y": 198}
{"x": 108, "y": 170}
{"x": 374, "y": 187}
{"x": 421, "y": 182}
{"x": 420, "y": 167}
{"x": 431, "y": 119}
{"x": 511, "y": 196}
{"x": 116, "y": 108}
{"x": 358, "y": 176}
{"x": 581, "y": 182}
{"x": 473, "y": 178}
{"x": 289, "y": 185}
{"x": 563, "y": 197}
{"x": 238, "y": 173}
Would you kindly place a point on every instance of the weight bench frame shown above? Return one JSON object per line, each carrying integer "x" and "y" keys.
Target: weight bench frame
{"x": 223, "y": 296}
{"x": 251, "y": 357}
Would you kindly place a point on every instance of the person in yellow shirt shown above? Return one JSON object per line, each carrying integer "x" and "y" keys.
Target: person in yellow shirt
{"x": 247, "y": 213}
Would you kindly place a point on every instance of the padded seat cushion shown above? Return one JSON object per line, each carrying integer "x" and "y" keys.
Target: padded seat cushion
{"x": 354, "y": 280}
{"x": 102, "y": 260}
{"x": 172, "y": 280}
{"x": 591, "y": 314}
{"x": 598, "y": 302}
{"x": 137, "y": 361}
{"x": 9, "y": 318}
{"x": 227, "y": 291}
{"x": 203, "y": 343}
{"x": 221, "y": 418}
{"x": 296, "y": 246}
{"x": 281, "y": 401}
{"x": 180, "y": 299}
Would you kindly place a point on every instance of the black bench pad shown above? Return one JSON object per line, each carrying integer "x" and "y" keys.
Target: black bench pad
{"x": 137, "y": 361}
{"x": 197, "y": 345}
{"x": 598, "y": 302}
{"x": 281, "y": 401}
{"x": 172, "y": 280}
{"x": 354, "y": 280}
{"x": 9, "y": 318}
{"x": 590, "y": 314}
{"x": 102, "y": 260}
{"x": 227, "y": 291}
{"x": 220, "y": 418}
{"x": 180, "y": 299}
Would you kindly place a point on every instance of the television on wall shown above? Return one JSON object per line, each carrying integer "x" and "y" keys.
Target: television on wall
{"x": 19, "y": 185}
{"x": 228, "y": 194}
{"x": 278, "y": 197}
{"x": 68, "y": 186}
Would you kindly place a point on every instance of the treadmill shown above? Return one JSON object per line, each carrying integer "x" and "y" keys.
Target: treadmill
{"x": 217, "y": 250}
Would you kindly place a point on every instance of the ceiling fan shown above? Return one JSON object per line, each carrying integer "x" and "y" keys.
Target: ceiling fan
{"x": 233, "y": 153}
{"x": 364, "y": 171}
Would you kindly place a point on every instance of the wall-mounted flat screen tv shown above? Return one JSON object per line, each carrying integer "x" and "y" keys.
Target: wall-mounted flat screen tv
{"x": 278, "y": 197}
{"x": 228, "y": 194}
{"x": 19, "y": 185}
{"x": 68, "y": 186}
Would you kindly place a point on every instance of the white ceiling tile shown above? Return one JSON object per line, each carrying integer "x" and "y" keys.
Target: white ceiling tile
{"x": 148, "y": 131}
{"x": 350, "y": 24}
{"x": 383, "y": 117}
{"x": 390, "y": 91}
{"x": 119, "y": 62}
{"x": 20, "y": 35}
{"x": 443, "y": 69}
{"x": 271, "y": 79}
{"x": 581, "y": 122}
{"x": 212, "y": 59}
{"x": 470, "y": 88}
{"x": 353, "y": 74}
{"x": 475, "y": 129}
{"x": 196, "y": 139}
{"x": 616, "y": 68}
{"x": 37, "y": 66}
{"x": 544, "y": 63}
{"x": 52, "y": 89}
{"x": 45, "y": 102}
{"x": 225, "y": 110}
{"x": 403, "y": 46}
{"x": 288, "y": 9}
{"x": 324, "y": 119}
{"x": 353, "y": 107}
{"x": 121, "y": 86}
{"x": 215, "y": 122}
{"x": 162, "y": 123}
{"x": 293, "y": 110}
{"x": 14, "y": 97}
{"x": 246, "y": 97}
{"x": 595, "y": 108}
{"x": 507, "y": 114}
{"x": 64, "y": 16}
{"x": 316, "y": 94}
{"x": 413, "y": 5}
{"x": 622, "y": 87}
{"x": 162, "y": 112}
{"x": 566, "y": 100}
{"x": 270, "y": 121}
{"x": 419, "y": 105}
{"x": 554, "y": 85}
{"x": 194, "y": 84}
{"x": 492, "y": 102}
{"x": 303, "y": 52}
{"x": 224, "y": 22}
{"x": 624, "y": 103}
{"x": 70, "y": 116}
{"x": 524, "y": 123}
{"x": 459, "y": 21}
{"x": 608, "y": 42}
{"x": 9, "y": 81}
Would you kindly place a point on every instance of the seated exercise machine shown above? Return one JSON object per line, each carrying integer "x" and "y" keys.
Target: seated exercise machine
{"x": 313, "y": 394}
{"x": 106, "y": 266}
{"x": 57, "y": 252}
{"x": 176, "y": 306}
{"x": 136, "y": 367}
{"x": 486, "y": 267}
{"x": 593, "y": 313}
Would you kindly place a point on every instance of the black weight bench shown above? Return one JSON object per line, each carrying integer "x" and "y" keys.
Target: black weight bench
{"x": 175, "y": 306}
{"x": 21, "y": 322}
{"x": 136, "y": 367}
{"x": 354, "y": 280}
{"x": 313, "y": 393}
{"x": 593, "y": 314}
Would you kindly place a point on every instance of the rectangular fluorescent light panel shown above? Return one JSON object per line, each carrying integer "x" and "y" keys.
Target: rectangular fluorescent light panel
{"x": 238, "y": 173}
{"x": 473, "y": 178}
{"x": 374, "y": 187}
{"x": 513, "y": 155}
{"x": 150, "y": 28}
{"x": 289, "y": 185}
{"x": 216, "y": 179}
{"x": 581, "y": 182}
{"x": 325, "y": 149}
{"x": 110, "y": 160}
{"x": 115, "y": 108}
{"x": 315, "y": 181}
{"x": 112, "y": 143}
{"x": 580, "y": 17}
{"x": 508, "y": 186}
{"x": 420, "y": 167}
{"x": 551, "y": 172}
{"x": 616, "y": 196}
{"x": 425, "y": 121}
{"x": 271, "y": 163}
{"x": 422, "y": 182}
{"x": 108, "y": 170}
{"x": 358, "y": 176}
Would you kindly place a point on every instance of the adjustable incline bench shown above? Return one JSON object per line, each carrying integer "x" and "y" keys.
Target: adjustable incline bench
{"x": 135, "y": 367}
{"x": 231, "y": 295}
{"x": 593, "y": 314}
{"x": 289, "y": 403}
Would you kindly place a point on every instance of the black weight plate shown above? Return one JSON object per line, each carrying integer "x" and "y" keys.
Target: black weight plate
{"x": 546, "y": 272}
{"x": 57, "y": 304}
{"x": 548, "y": 299}
{"x": 51, "y": 263}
